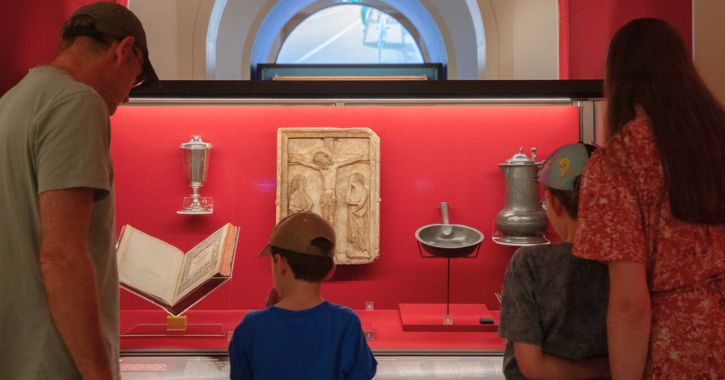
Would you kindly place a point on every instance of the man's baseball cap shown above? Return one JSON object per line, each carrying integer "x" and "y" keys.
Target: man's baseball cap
{"x": 104, "y": 20}
{"x": 297, "y": 232}
{"x": 565, "y": 165}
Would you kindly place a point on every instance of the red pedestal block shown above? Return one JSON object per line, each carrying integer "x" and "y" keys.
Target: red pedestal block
{"x": 430, "y": 317}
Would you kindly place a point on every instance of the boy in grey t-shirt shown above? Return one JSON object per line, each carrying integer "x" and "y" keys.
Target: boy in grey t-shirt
{"x": 554, "y": 305}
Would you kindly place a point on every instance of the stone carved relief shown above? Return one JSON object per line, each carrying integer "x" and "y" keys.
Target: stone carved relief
{"x": 299, "y": 200}
{"x": 357, "y": 216}
{"x": 334, "y": 172}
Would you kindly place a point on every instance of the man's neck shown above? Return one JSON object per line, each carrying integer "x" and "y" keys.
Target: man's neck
{"x": 81, "y": 63}
{"x": 77, "y": 69}
{"x": 300, "y": 295}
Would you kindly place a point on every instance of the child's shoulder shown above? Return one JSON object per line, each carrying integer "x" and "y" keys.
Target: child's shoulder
{"x": 251, "y": 321}
{"x": 541, "y": 253}
{"x": 255, "y": 315}
{"x": 342, "y": 311}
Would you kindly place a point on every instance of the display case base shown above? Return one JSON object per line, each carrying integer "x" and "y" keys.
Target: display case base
{"x": 433, "y": 317}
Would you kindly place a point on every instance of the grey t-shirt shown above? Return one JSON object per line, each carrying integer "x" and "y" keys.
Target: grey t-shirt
{"x": 54, "y": 134}
{"x": 556, "y": 300}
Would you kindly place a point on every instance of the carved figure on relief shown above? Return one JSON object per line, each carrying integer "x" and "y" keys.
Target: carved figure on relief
{"x": 357, "y": 217}
{"x": 299, "y": 200}
{"x": 327, "y": 165}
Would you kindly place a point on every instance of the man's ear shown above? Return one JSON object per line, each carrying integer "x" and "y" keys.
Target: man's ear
{"x": 124, "y": 48}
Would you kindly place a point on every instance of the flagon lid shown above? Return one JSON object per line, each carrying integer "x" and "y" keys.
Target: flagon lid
{"x": 521, "y": 158}
{"x": 195, "y": 143}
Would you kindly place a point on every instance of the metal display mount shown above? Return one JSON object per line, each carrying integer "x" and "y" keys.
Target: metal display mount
{"x": 448, "y": 241}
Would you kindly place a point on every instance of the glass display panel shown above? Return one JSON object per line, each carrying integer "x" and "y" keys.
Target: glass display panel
{"x": 216, "y": 367}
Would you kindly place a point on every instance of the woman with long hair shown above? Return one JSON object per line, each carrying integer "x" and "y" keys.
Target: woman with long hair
{"x": 653, "y": 208}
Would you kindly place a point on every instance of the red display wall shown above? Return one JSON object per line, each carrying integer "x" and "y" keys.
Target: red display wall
{"x": 30, "y": 34}
{"x": 429, "y": 154}
{"x": 587, "y": 26}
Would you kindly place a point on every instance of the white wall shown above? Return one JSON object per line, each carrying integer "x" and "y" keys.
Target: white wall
{"x": 709, "y": 43}
{"x": 522, "y": 39}
{"x": 535, "y": 39}
{"x": 160, "y": 20}
{"x": 176, "y": 32}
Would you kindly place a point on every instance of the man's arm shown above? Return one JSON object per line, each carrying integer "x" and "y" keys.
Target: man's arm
{"x": 628, "y": 319}
{"x": 69, "y": 278}
{"x": 535, "y": 364}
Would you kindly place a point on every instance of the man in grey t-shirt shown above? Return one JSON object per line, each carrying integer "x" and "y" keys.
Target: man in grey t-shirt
{"x": 554, "y": 305}
{"x": 58, "y": 277}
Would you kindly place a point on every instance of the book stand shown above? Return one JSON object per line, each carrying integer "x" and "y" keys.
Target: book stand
{"x": 175, "y": 326}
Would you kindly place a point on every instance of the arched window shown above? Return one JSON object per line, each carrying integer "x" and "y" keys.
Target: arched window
{"x": 349, "y": 33}
{"x": 244, "y": 34}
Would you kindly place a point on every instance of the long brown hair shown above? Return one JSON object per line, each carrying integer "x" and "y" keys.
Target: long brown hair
{"x": 648, "y": 65}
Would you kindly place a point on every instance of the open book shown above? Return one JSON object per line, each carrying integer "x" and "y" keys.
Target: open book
{"x": 169, "y": 277}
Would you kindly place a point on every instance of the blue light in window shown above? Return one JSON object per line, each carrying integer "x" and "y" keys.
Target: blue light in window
{"x": 349, "y": 34}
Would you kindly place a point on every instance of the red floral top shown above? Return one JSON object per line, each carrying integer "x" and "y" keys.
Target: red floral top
{"x": 624, "y": 215}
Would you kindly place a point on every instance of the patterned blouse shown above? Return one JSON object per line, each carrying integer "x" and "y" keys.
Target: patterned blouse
{"x": 624, "y": 215}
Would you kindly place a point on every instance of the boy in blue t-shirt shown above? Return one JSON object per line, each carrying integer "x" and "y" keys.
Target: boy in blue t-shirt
{"x": 301, "y": 336}
{"x": 554, "y": 305}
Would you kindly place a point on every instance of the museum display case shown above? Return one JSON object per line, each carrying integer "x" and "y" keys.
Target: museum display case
{"x": 438, "y": 141}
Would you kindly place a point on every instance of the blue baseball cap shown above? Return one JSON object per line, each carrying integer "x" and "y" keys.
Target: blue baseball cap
{"x": 565, "y": 165}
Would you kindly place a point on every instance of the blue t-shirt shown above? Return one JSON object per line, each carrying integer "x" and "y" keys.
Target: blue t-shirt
{"x": 324, "y": 342}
